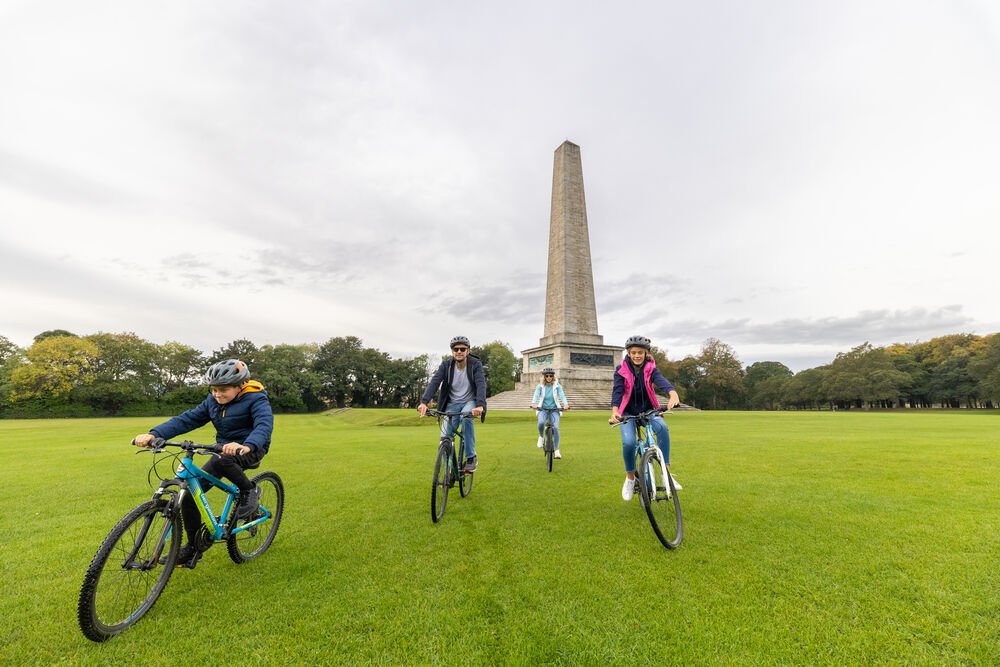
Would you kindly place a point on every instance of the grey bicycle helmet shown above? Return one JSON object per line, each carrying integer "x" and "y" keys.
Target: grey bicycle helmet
{"x": 459, "y": 340}
{"x": 228, "y": 372}
{"x": 638, "y": 341}
{"x": 548, "y": 371}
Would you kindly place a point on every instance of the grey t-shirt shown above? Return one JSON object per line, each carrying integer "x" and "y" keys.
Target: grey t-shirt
{"x": 461, "y": 388}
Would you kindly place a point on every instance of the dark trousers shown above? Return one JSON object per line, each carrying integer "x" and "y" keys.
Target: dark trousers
{"x": 223, "y": 467}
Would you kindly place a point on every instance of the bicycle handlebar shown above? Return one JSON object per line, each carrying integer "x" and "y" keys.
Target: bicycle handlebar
{"x": 642, "y": 416}
{"x": 438, "y": 413}
{"x": 159, "y": 444}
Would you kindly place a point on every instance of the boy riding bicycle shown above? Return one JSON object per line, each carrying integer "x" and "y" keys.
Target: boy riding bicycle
{"x": 239, "y": 409}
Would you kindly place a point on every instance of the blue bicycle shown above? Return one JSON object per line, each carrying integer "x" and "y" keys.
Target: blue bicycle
{"x": 135, "y": 561}
{"x": 657, "y": 492}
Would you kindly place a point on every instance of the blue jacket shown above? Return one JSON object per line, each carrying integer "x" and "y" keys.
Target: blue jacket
{"x": 247, "y": 419}
{"x": 551, "y": 396}
{"x": 442, "y": 378}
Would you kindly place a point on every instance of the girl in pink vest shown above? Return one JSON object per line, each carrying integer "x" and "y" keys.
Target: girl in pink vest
{"x": 632, "y": 394}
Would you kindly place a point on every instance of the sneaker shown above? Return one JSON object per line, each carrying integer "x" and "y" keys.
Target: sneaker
{"x": 628, "y": 489}
{"x": 677, "y": 485}
{"x": 470, "y": 464}
{"x": 557, "y": 455}
{"x": 249, "y": 502}
{"x": 541, "y": 442}
{"x": 187, "y": 557}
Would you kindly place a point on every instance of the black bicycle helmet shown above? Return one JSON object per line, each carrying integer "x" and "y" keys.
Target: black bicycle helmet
{"x": 548, "y": 371}
{"x": 638, "y": 341}
{"x": 228, "y": 372}
{"x": 459, "y": 340}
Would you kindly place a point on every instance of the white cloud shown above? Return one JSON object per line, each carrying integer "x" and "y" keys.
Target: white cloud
{"x": 789, "y": 178}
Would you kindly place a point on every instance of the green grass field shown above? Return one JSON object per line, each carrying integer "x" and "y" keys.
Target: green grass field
{"x": 810, "y": 538}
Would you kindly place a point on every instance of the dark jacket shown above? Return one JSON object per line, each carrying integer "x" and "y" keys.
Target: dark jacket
{"x": 442, "y": 379}
{"x": 247, "y": 419}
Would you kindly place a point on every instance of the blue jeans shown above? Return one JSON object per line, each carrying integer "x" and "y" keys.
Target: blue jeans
{"x": 554, "y": 416}
{"x": 630, "y": 443}
{"x": 449, "y": 424}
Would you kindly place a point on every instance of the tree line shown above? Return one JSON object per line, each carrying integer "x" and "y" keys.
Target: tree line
{"x": 62, "y": 374}
{"x": 953, "y": 371}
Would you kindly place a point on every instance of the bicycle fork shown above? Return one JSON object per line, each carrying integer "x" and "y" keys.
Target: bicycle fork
{"x": 130, "y": 562}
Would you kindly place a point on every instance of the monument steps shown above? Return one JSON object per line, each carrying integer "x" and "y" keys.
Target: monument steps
{"x": 519, "y": 398}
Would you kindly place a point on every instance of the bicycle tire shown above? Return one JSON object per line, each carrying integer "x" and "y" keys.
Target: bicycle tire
{"x": 550, "y": 448}
{"x": 660, "y": 499}
{"x": 442, "y": 482}
{"x": 114, "y": 597}
{"x": 248, "y": 544}
{"x": 464, "y": 478}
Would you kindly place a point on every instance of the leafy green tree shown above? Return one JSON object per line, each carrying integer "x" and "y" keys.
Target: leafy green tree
{"x": 763, "y": 382}
{"x": 55, "y": 365}
{"x": 865, "y": 375}
{"x": 722, "y": 374}
{"x": 805, "y": 389}
{"x": 670, "y": 369}
{"x": 502, "y": 365}
{"x": 984, "y": 369}
{"x": 406, "y": 379}
{"x": 53, "y": 333}
{"x": 124, "y": 372}
{"x": 179, "y": 365}
{"x": 241, "y": 349}
{"x": 915, "y": 391}
{"x": 7, "y": 349}
{"x": 946, "y": 359}
{"x": 11, "y": 356}
{"x": 337, "y": 361}
{"x": 689, "y": 379}
{"x": 288, "y": 375}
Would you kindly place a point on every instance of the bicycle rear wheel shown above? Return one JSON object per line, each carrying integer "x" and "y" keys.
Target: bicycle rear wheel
{"x": 464, "y": 478}
{"x": 256, "y": 539}
{"x": 550, "y": 446}
{"x": 443, "y": 476}
{"x": 126, "y": 576}
{"x": 660, "y": 500}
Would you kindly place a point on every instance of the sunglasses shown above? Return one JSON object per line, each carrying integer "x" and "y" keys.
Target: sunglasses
{"x": 459, "y": 349}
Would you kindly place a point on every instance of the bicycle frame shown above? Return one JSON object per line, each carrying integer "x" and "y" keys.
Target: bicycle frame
{"x": 644, "y": 436}
{"x": 189, "y": 478}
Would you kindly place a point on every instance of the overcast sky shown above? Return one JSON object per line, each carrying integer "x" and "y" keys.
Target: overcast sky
{"x": 792, "y": 178}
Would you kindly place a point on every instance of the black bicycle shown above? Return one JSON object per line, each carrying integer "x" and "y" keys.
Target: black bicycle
{"x": 549, "y": 436}
{"x": 449, "y": 468}
{"x": 657, "y": 492}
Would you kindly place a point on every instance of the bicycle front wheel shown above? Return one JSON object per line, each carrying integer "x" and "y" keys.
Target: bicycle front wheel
{"x": 659, "y": 498}
{"x": 443, "y": 475}
{"x": 464, "y": 478}
{"x": 550, "y": 447}
{"x": 130, "y": 570}
{"x": 255, "y": 540}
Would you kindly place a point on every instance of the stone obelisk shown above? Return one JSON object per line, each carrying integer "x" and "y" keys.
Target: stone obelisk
{"x": 571, "y": 344}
